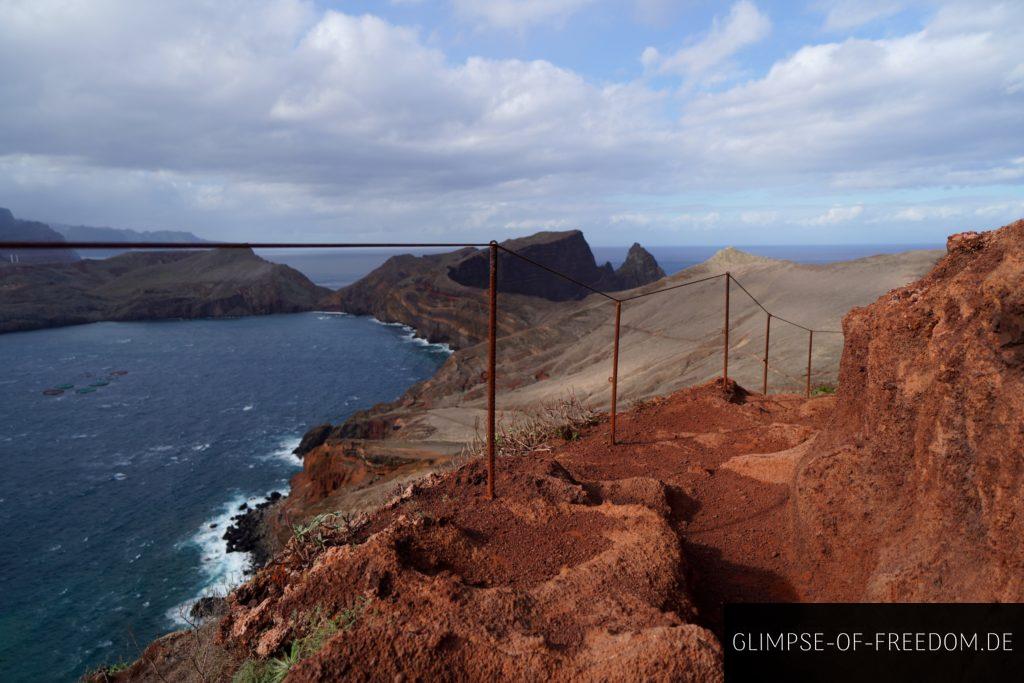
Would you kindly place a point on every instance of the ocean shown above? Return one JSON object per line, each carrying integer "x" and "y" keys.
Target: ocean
{"x": 113, "y": 501}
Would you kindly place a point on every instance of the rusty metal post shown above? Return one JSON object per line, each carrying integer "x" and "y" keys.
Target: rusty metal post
{"x": 492, "y": 333}
{"x": 810, "y": 345}
{"x": 725, "y": 346}
{"x": 767, "y": 335}
{"x": 615, "y": 369}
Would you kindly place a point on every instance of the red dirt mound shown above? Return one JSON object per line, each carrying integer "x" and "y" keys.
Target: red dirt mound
{"x": 550, "y": 581}
{"x": 914, "y": 492}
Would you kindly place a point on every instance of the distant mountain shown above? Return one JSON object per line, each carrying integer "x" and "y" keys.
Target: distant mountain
{"x": 89, "y": 233}
{"x": 152, "y": 285}
{"x": 15, "y": 230}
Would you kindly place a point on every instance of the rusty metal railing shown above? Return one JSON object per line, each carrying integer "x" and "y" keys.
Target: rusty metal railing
{"x": 492, "y": 333}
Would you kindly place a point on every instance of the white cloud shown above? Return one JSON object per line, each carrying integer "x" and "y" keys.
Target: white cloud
{"x": 843, "y": 15}
{"x": 759, "y": 217}
{"x": 285, "y": 117}
{"x": 517, "y": 14}
{"x": 837, "y": 214}
{"x": 920, "y": 213}
{"x": 744, "y": 26}
{"x": 925, "y": 108}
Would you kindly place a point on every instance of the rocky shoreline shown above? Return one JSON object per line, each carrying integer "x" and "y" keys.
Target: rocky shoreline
{"x": 246, "y": 533}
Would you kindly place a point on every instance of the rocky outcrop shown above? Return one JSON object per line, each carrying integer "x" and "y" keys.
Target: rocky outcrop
{"x": 15, "y": 230}
{"x": 443, "y": 296}
{"x": 914, "y": 492}
{"x": 416, "y": 291}
{"x": 567, "y": 252}
{"x": 639, "y": 269}
{"x": 150, "y": 286}
{"x": 245, "y": 534}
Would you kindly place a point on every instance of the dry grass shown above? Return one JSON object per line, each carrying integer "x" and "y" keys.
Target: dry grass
{"x": 530, "y": 431}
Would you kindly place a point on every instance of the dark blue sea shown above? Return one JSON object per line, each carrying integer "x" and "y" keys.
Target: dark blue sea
{"x": 107, "y": 497}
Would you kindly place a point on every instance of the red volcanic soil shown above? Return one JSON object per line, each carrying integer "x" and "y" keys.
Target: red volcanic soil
{"x": 594, "y": 562}
{"x": 735, "y": 530}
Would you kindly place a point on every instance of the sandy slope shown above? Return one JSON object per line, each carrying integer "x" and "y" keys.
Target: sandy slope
{"x": 669, "y": 341}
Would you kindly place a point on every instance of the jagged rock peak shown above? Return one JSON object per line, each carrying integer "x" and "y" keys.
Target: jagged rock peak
{"x": 639, "y": 268}
{"x": 567, "y": 252}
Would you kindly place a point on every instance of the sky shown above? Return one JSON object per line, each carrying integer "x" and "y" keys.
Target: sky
{"x": 668, "y": 122}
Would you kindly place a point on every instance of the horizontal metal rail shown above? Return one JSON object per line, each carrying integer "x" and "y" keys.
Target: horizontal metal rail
{"x": 233, "y": 245}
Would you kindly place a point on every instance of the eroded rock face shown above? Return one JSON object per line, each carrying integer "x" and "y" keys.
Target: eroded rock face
{"x": 915, "y": 490}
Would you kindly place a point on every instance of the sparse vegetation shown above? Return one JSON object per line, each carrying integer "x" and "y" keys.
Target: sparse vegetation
{"x": 526, "y": 432}
{"x": 318, "y": 631}
{"x": 106, "y": 672}
{"x": 823, "y": 390}
{"x": 313, "y": 536}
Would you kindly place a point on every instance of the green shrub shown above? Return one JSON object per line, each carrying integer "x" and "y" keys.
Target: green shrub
{"x": 275, "y": 670}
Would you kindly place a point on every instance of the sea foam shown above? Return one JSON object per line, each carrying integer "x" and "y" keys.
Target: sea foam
{"x": 221, "y": 570}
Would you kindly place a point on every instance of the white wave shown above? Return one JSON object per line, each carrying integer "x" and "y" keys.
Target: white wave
{"x": 248, "y": 408}
{"x": 410, "y": 336}
{"x": 221, "y": 570}
{"x": 119, "y": 476}
{"x": 283, "y": 452}
{"x": 201, "y": 447}
{"x": 381, "y": 322}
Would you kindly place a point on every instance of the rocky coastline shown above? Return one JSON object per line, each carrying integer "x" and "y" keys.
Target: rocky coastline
{"x": 246, "y": 532}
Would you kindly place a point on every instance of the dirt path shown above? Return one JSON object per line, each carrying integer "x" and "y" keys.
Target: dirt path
{"x": 735, "y": 528}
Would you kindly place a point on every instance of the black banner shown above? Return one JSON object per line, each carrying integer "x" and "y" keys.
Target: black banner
{"x": 874, "y": 642}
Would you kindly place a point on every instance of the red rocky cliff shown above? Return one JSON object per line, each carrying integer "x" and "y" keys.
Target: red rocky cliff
{"x": 914, "y": 492}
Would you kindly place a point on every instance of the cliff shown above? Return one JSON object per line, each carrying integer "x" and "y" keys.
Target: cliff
{"x": 15, "y": 230}
{"x": 443, "y": 295}
{"x": 150, "y": 286}
{"x": 914, "y": 492}
{"x": 567, "y": 252}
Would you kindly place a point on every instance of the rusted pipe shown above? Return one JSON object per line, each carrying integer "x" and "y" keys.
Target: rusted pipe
{"x": 615, "y": 369}
{"x": 725, "y": 346}
{"x": 810, "y": 345}
{"x": 492, "y": 346}
{"x": 767, "y": 336}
